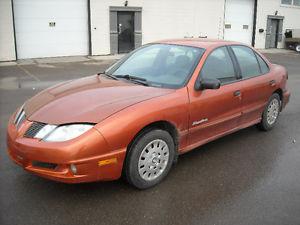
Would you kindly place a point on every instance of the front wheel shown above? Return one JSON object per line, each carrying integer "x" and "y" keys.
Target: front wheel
{"x": 271, "y": 113}
{"x": 150, "y": 158}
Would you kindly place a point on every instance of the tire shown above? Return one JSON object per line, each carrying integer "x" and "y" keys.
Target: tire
{"x": 298, "y": 48}
{"x": 150, "y": 158}
{"x": 271, "y": 113}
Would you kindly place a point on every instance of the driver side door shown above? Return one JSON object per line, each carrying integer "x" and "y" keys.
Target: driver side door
{"x": 213, "y": 113}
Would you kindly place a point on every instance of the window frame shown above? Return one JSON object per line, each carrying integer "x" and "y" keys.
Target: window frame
{"x": 255, "y": 54}
{"x": 234, "y": 64}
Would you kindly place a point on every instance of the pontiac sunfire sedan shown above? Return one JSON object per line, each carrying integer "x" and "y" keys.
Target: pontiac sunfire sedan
{"x": 159, "y": 101}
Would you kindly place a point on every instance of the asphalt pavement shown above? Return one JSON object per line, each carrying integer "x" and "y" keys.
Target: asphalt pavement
{"x": 249, "y": 177}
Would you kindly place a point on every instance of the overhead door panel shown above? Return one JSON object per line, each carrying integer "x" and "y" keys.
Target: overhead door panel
{"x": 49, "y": 28}
{"x": 239, "y": 20}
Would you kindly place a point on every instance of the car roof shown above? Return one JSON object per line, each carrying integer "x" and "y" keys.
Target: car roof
{"x": 199, "y": 42}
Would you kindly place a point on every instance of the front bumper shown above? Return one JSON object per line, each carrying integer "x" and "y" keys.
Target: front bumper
{"x": 89, "y": 153}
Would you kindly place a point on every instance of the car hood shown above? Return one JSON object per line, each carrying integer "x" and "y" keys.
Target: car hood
{"x": 89, "y": 100}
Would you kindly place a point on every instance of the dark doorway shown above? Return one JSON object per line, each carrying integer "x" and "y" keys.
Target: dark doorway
{"x": 274, "y": 28}
{"x": 274, "y": 31}
{"x": 125, "y": 32}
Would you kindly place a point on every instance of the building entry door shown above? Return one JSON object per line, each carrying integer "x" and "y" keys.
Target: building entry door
{"x": 125, "y": 32}
{"x": 274, "y": 27}
{"x": 274, "y": 31}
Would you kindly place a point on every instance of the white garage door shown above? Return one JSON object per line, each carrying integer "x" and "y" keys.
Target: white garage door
{"x": 239, "y": 20}
{"x": 49, "y": 28}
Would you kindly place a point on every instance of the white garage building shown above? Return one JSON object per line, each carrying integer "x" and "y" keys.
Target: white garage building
{"x": 51, "y": 28}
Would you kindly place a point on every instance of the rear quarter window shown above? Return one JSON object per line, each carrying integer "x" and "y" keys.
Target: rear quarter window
{"x": 247, "y": 61}
{"x": 263, "y": 65}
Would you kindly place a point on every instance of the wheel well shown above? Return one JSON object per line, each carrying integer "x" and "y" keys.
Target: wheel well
{"x": 163, "y": 125}
{"x": 279, "y": 92}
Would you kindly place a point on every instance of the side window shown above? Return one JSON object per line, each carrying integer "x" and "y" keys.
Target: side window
{"x": 263, "y": 65}
{"x": 219, "y": 65}
{"x": 247, "y": 61}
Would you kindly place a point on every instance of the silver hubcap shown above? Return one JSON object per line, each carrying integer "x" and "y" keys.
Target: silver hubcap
{"x": 153, "y": 160}
{"x": 273, "y": 111}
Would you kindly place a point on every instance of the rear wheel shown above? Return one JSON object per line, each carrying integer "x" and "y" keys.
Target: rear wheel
{"x": 271, "y": 113}
{"x": 150, "y": 158}
{"x": 298, "y": 48}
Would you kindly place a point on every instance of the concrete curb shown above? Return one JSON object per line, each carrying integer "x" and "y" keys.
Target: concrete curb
{"x": 67, "y": 59}
{"x": 277, "y": 51}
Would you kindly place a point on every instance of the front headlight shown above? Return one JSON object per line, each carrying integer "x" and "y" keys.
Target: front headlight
{"x": 47, "y": 129}
{"x": 17, "y": 116}
{"x": 54, "y": 133}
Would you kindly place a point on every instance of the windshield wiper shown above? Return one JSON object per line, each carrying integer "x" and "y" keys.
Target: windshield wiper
{"x": 108, "y": 75}
{"x": 135, "y": 79}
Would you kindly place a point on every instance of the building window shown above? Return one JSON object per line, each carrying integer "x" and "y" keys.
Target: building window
{"x": 291, "y": 2}
{"x": 287, "y": 2}
{"x": 297, "y": 2}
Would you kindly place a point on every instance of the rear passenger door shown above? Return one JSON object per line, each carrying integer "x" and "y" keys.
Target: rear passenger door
{"x": 256, "y": 84}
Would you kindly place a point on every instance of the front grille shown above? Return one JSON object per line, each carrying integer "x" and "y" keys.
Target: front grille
{"x": 51, "y": 166}
{"x": 34, "y": 129}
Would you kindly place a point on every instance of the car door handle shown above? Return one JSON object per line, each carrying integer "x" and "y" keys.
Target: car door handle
{"x": 272, "y": 83}
{"x": 237, "y": 93}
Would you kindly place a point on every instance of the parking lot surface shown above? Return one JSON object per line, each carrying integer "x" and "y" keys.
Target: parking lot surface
{"x": 249, "y": 177}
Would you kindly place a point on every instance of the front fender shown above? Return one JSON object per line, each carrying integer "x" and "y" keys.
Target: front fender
{"x": 121, "y": 128}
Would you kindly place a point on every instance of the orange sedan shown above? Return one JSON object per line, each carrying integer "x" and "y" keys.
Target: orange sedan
{"x": 159, "y": 101}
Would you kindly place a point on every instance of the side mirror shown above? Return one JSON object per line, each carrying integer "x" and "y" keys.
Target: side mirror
{"x": 206, "y": 83}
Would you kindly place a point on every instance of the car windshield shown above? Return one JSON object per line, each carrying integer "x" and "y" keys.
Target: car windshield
{"x": 161, "y": 65}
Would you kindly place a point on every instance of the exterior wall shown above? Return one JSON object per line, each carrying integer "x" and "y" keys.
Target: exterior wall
{"x": 161, "y": 19}
{"x": 7, "y": 40}
{"x": 269, "y": 7}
